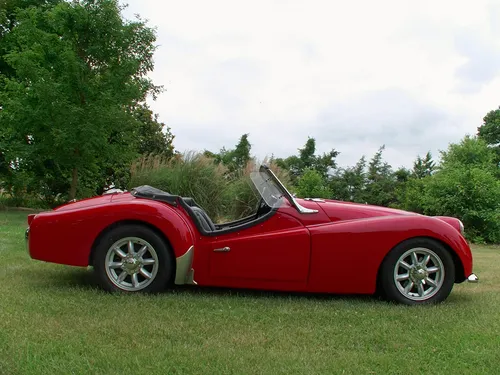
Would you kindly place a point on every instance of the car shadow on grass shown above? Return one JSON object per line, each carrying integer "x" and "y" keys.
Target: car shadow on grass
{"x": 86, "y": 279}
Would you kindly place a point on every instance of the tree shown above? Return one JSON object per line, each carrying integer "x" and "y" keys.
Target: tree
{"x": 296, "y": 165}
{"x": 235, "y": 159}
{"x": 489, "y": 131}
{"x": 423, "y": 167}
{"x": 312, "y": 185}
{"x": 465, "y": 186}
{"x": 151, "y": 137}
{"x": 79, "y": 69}
{"x": 348, "y": 184}
{"x": 380, "y": 185}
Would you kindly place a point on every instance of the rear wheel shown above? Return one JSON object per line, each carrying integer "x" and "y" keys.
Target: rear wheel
{"x": 417, "y": 271}
{"x": 133, "y": 258}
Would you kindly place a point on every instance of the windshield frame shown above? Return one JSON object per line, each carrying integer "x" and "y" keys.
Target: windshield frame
{"x": 271, "y": 183}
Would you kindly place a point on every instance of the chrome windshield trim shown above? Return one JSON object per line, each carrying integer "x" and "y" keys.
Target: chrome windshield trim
{"x": 286, "y": 193}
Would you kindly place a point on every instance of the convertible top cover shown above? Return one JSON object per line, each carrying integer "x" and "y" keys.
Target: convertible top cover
{"x": 149, "y": 192}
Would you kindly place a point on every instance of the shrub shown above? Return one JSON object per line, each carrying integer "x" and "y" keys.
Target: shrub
{"x": 472, "y": 195}
{"x": 224, "y": 195}
{"x": 191, "y": 175}
{"x": 312, "y": 185}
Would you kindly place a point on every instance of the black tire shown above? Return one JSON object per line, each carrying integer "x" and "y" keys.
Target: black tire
{"x": 440, "y": 258}
{"x": 142, "y": 237}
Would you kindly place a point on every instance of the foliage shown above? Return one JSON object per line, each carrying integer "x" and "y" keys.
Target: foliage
{"x": 312, "y": 185}
{"x": 306, "y": 160}
{"x": 348, "y": 184}
{"x": 490, "y": 130}
{"x": 79, "y": 67}
{"x": 471, "y": 194}
{"x": 465, "y": 186}
{"x": 224, "y": 196}
{"x": 423, "y": 167}
{"x": 151, "y": 137}
{"x": 191, "y": 175}
{"x": 236, "y": 159}
{"x": 380, "y": 185}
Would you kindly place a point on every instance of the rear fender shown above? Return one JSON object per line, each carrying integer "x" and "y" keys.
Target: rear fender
{"x": 67, "y": 237}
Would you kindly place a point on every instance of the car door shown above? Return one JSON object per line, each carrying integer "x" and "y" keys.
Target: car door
{"x": 271, "y": 254}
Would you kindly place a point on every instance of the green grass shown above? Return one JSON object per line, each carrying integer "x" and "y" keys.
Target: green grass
{"x": 54, "y": 320}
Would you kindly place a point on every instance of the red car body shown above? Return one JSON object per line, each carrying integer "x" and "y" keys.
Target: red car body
{"x": 338, "y": 249}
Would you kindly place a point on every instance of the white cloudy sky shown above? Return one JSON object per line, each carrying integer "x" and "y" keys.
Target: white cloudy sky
{"x": 413, "y": 75}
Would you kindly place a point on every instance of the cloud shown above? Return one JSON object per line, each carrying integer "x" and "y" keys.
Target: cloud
{"x": 354, "y": 75}
{"x": 482, "y": 65}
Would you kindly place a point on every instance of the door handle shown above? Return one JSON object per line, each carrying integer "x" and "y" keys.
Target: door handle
{"x": 223, "y": 249}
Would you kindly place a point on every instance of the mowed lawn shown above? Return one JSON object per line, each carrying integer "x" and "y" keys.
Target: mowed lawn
{"x": 54, "y": 320}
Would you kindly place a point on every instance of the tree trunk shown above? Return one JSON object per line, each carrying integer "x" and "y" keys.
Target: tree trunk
{"x": 74, "y": 183}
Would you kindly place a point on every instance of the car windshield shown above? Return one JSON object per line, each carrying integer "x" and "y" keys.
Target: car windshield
{"x": 267, "y": 188}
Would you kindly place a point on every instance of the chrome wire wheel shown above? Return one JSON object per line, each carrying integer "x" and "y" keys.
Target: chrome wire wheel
{"x": 131, "y": 264}
{"x": 419, "y": 274}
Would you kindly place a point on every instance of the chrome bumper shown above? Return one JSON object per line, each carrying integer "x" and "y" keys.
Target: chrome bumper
{"x": 27, "y": 239}
{"x": 473, "y": 278}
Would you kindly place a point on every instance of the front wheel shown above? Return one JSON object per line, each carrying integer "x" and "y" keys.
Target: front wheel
{"x": 132, "y": 258}
{"x": 417, "y": 271}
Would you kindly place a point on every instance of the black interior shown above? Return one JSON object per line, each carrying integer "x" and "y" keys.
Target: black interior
{"x": 201, "y": 219}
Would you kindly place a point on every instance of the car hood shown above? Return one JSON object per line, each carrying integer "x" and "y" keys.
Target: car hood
{"x": 337, "y": 210}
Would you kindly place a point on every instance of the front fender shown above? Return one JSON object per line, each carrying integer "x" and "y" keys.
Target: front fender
{"x": 348, "y": 254}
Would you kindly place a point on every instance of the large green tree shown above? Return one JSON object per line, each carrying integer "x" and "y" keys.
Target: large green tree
{"x": 489, "y": 131}
{"x": 234, "y": 159}
{"x": 423, "y": 166}
{"x": 79, "y": 69}
{"x": 307, "y": 160}
{"x": 465, "y": 186}
{"x": 348, "y": 184}
{"x": 153, "y": 136}
{"x": 381, "y": 181}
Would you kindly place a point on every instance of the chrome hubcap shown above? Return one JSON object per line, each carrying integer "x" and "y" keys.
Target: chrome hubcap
{"x": 419, "y": 274}
{"x": 131, "y": 264}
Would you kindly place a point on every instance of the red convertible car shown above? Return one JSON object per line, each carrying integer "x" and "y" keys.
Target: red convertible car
{"x": 147, "y": 239}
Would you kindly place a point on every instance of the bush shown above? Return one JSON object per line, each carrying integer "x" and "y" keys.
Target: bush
{"x": 192, "y": 175}
{"x": 312, "y": 185}
{"x": 472, "y": 195}
{"x": 225, "y": 196}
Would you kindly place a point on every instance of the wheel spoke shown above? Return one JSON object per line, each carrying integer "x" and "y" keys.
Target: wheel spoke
{"x": 142, "y": 251}
{"x": 431, "y": 282}
{"x": 122, "y": 277}
{"x": 135, "y": 281}
{"x": 145, "y": 273}
{"x": 402, "y": 277}
{"x": 409, "y": 287}
{"x": 119, "y": 252}
{"x": 414, "y": 258}
{"x": 131, "y": 248}
{"x": 426, "y": 259}
{"x": 404, "y": 265}
{"x": 148, "y": 262}
{"x": 432, "y": 269}
{"x": 115, "y": 264}
{"x": 420, "y": 288}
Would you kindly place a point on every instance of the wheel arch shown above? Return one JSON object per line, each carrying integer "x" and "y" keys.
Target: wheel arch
{"x": 459, "y": 268}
